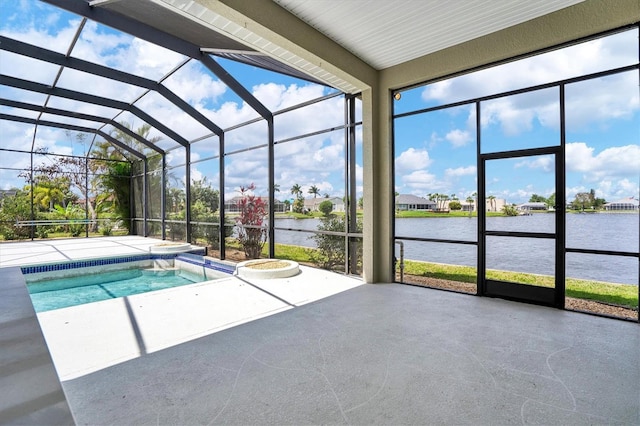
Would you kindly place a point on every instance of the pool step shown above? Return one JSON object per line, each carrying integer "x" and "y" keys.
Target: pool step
{"x": 163, "y": 264}
{"x": 160, "y": 272}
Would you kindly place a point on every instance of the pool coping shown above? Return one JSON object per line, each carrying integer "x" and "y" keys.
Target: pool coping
{"x": 32, "y": 392}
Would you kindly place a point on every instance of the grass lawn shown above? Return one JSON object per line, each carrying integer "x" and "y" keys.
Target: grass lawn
{"x": 58, "y": 235}
{"x": 616, "y": 294}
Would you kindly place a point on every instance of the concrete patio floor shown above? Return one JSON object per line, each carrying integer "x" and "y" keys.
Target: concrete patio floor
{"x": 382, "y": 354}
{"x": 330, "y": 350}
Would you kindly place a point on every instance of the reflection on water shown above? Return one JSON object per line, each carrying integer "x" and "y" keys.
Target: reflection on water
{"x": 600, "y": 231}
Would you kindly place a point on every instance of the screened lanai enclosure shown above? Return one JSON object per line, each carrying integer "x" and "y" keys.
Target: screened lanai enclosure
{"x": 542, "y": 153}
{"x": 110, "y": 127}
{"x": 493, "y": 158}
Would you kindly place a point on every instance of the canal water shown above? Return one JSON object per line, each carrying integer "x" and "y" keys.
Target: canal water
{"x": 599, "y": 231}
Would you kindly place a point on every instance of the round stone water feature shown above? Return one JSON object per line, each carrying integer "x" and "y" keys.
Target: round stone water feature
{"x": 267, "y": 268}
{"x": 169, "y": 247}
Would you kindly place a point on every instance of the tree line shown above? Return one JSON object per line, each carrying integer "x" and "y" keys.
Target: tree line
{"x": 581, "y": 201}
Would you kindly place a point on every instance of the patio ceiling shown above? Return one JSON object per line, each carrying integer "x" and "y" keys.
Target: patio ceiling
{"x": 386, "y": 33}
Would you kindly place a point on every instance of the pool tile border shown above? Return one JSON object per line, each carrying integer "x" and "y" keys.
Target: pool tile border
{"x": 207, "y": 263}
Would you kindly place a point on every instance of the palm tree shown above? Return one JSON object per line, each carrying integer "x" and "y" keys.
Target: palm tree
{"x": 68, "y": 213}
{"x": 443, "y": 200}
{"x": 175, "y": 199}
{"x": 106, "y": 150}
{"x": 433, "y": 197}
{"x": 314, "y": 190}
{"x": 298, "y": 204}
{"x": 276, "y": 187}
{"x": 47, "y": 192}
{"x": 492, "y": 202}
{"x": 296, "y": 190}
{"x": 470, "y": 202}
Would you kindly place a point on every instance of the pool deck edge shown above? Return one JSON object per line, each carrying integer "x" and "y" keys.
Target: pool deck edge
{"x": 29, "y": 382}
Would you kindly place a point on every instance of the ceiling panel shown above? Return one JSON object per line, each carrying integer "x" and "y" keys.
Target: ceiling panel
{"x": 386, "y": 33}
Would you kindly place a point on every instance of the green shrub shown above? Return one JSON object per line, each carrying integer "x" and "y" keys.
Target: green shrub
{"x": 106, "y": 228}
{"x": 14, "y": 209}
{"x": 510, "y": 210}
{"x": 330, "y": 252}
{"x": 326, "y": 207}
{"x": 42, "y": 232}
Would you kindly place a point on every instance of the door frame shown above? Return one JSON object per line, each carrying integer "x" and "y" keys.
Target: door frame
{"x": 521, "y": 292}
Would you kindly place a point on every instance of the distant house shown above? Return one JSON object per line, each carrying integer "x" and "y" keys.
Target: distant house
{"x": 532, "y": 206}
{"x": 466, "y": 206}
{"x": 408, "y": 202}
{"x": 495, "y": 204}
{"x": 231, "y": 205}
{"x": 313, "y": 204}
{"x": 629, "y": 203}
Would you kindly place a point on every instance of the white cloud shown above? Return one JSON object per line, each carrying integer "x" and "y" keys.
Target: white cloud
{"x": 196, "y": 175}
{"x": 279, "y": 96}
{"x": 413, "y": 159}
{"x": 588, "y": 102}
{"x": 458, "y": 137}
{"x": 597, "y": 102}
{"x": 229, "y": 114}
{"x": 195, "y": 86}
{"x": 98, "y": 86}
{"x": 559, "y": 64}
{"x": 322, "y": 115}
{"x": 359, "y": 171}
{"x": 328, "y": 158}
{"x": 20, "y": 66}
{"x": 125, "y": 53}
{"x": 38, "y": 33}
{"x": 612, "y": 172}
{"x": 625, "y": 188}
{"x": 460, "y": 171}
{"x": 171, "y": 116}
{"x": 578, "y": 157}
{"x": 421, "y": 181}
{"x": 544, "y": 163}
{"x": 149, "y": 60}
{"x": 518, "y": 114}
{"x": 434, "y": 138}
{"x": 613, "y": 161}
{"x": 242, "y": 171}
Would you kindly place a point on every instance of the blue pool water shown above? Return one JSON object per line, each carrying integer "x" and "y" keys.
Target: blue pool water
{"x": 61, "y": 293}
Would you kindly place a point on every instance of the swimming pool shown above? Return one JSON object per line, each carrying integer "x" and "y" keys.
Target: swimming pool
{"x": 64, "y": 285}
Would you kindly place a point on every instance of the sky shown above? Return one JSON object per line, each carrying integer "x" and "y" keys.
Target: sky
{"x": 434, "y": 152}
